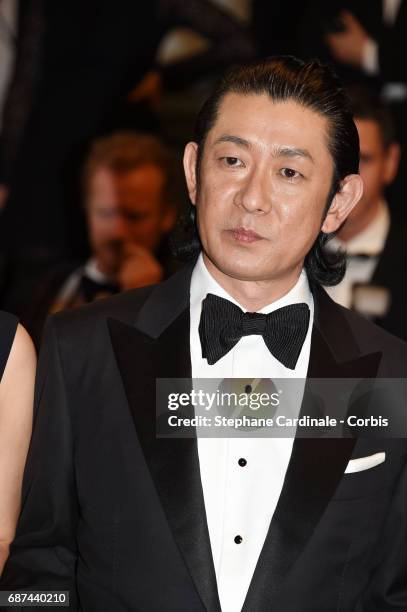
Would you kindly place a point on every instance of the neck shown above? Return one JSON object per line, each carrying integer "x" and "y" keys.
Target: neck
{"x": 352, "y": 228}
{"x": 253, "y": 295}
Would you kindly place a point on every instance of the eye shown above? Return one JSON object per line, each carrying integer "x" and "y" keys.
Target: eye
{"x": 289, "y": 173}
{"x": 232, "y": 162}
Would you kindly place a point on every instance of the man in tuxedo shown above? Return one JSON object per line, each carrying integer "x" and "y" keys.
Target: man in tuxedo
{"x": 126, "y": 520}
{"x": 131, "y": 195}
{"x": 373, "y": 241}
{"x": 371, "y": 39}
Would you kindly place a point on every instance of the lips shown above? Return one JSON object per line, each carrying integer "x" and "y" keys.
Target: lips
{"x": 240, "y": 234}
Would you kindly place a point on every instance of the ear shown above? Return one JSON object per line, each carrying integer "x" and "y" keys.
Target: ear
{"x": 190, "y": 157}
{"x": 392, "y": 163}
{"x": 349, "y": 194}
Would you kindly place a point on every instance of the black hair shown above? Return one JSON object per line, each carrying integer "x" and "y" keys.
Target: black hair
{"x": 314, "y": 86}
{"x": 367, "y": 104}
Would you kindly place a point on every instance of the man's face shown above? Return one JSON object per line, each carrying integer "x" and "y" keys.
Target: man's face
{"x": 123, "y": 209}
{"x": 265, "y": 177}
{"x": 378, "y": 165}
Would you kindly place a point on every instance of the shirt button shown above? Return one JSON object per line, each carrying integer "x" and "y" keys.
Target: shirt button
{"x": 242, "y": 462}
{"x": 238, "y": 539}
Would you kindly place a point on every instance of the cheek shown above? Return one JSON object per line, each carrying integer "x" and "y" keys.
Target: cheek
{"x": 302, "y": 213}
{"x": 219, "y": 194}
{"x": 147, "y": 233}
{"x": 372, "y": 176}
{"x": 212, "y": 208}
{"x": 217, "y": 188}
{"x": 142, "y": 226}
{"x": 305, "y": 225}
{"x": 97, "y": 228}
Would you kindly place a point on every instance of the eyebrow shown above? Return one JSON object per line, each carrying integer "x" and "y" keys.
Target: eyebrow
{"x": 278, "y": 152}
{"x": 234, "y": 139}
{"x": 293, "y": 152}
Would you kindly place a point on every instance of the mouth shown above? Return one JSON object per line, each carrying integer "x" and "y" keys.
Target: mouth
{"x": 240, "y": 234}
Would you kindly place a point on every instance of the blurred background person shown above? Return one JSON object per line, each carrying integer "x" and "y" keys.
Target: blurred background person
{"x": 371, "y": 36}
{"x": 94, "y": 54}
{"x": 366, "y": 41}
{"x": 131, "y": 192}
{"x": 17, "y": 372}
{"x": 374, "y": 242}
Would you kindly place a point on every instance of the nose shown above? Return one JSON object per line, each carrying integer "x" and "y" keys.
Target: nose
{"x": 254, "y": 194}
{"x": 119, "y": 228}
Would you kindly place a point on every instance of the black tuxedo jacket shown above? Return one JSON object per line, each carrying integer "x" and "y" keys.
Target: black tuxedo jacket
{"x": 117, "y": 516}
{"x": 319, "y": 17}
{"x": 390, "y": 273}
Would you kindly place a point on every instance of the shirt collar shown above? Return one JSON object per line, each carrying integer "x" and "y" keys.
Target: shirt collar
{"x": 371, "y": 240}
{"x": 91, "y": 270}
{"x": 202, "y": 283}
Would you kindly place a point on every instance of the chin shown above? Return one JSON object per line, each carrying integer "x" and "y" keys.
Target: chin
{"x": 247, "y": 270}
{"x": 110, "y": 267}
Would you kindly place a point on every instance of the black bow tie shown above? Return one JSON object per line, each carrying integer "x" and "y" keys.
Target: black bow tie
{"x": 223, "y": 324}
{"x": 90, "y": 289}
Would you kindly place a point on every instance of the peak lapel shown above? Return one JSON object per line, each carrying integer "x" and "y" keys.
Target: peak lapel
{"x": 335, "y": 351}
{"x": 157, "y": 346}
{"x": 316, "y": 465}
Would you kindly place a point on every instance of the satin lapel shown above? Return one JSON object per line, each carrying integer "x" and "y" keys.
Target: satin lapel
{"x": 316, "y": 465}
{"x": 158, "y": 347}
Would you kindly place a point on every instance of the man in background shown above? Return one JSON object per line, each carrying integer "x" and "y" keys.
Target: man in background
{"x": 375, "y": 244}
{"x": 370, "y": 40}
{"x": 130, "y": 195}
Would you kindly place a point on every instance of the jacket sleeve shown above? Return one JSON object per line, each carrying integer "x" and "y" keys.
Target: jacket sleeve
{"x": 387, "y": 587}
{"x": 393, "y": 48}
{"x": 44, "y": 553}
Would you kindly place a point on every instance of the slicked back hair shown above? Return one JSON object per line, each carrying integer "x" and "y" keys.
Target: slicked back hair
{"x": 312, "y": 85}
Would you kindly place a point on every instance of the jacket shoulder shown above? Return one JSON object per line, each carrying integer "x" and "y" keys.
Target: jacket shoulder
{"x": 372, "y": 338}
{"x": 344, "y": 326}
{"x": 83, "y": 325}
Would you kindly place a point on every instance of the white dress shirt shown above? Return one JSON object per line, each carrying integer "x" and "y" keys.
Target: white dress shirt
{"x": 360, "y": 271}
{"x": 71, "y": 285}
{"x": 240, "y": 500}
